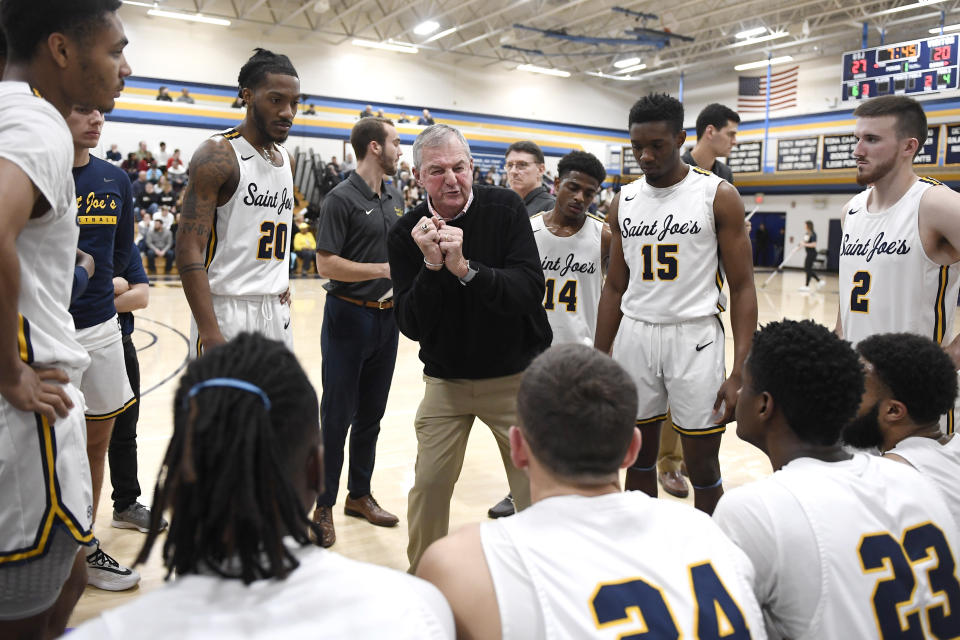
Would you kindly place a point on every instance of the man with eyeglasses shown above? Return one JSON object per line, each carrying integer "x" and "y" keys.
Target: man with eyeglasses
{"x": 525, "y": 167}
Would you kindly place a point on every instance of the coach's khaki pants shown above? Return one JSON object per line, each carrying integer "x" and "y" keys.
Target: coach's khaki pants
{"x": 443, "y": 422}
{"x": 671, "y": 451}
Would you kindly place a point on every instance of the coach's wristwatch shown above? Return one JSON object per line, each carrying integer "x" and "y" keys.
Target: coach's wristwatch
{"x": 471, "y": 273}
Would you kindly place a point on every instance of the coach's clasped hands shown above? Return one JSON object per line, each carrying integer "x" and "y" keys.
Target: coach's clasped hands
{"x": 441, "y": 245}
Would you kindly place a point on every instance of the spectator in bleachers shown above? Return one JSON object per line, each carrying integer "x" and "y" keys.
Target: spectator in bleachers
{"x": 426, "y": 118}
{"x": 165, "y": 215}
{"x": 380, "y": 113}
{"x": 167, "y": 197}
{"x": 368, "y": 112}
{"x": 162, "y": 155}
{"x": 311, "y": 110}
{"x": 163, "y": 95}
{"x": 159, "y": 242}
{"x": 143, "y": 227}
{"x": 305, "y": 246}
{"x": 143, "y": 153}
{"x": 114, "y": 156}
{"x": 149, "y": 200}
{"x": 336, "y": 165}
{"x": 348, "y": 165}
{"x": 153, "y": 172}
{"x": 185, "y": 96}
{"x": 403, "y": 118}
{"x": 132, "y": 166}
{"x": 138, "y": 187}
{"x": 175, "y": 162}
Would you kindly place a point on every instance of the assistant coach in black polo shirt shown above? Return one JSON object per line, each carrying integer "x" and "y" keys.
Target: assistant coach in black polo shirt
{"x": 358, "y": 340}
{"x": 469, "y": 288}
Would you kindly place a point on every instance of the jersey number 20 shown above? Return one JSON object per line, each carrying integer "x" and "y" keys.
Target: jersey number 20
{"x": 273, "y": 241}
{"x": 892, "y": 596}
{"x": 642, "y": 605}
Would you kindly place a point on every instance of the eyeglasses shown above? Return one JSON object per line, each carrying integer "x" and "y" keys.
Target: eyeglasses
{"x": 519, "y": 166}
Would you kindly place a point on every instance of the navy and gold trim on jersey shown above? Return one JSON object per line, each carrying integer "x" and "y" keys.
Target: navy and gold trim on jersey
{"x": 702, "y": 172}
{"x": 931, "y": 181}
{"x": 719, "y": 281}
{"x": 24, "y": 345}
{"x": 950, "y": 422}
{"x": 55, "y": 509}
{"x": 595, "y": 217}
{"x": 940, "y": 305}
{"x": 211, "y": 243}
{"x": 662, "y": 416}
{"x": 112, "y": 414}
{"x": 231, "y": 134}
{"x": 720, "y": 428}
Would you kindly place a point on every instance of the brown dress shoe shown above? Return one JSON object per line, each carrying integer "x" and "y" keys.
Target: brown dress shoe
{"x": 323, "y": 516}
{"x": 367, "y": 507}
{"x": 673, "y": 483}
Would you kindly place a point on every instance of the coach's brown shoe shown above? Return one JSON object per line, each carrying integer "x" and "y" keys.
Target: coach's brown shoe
{"x": 323, "y": 516}
{"x": 673, "y": 483}
{"x": 367, "y": 507}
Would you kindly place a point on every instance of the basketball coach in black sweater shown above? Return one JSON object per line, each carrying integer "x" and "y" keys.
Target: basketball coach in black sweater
{"x": 469, "y": 288}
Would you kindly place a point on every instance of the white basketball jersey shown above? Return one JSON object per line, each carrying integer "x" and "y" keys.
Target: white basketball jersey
{"x": 574, "y": 278}
{"x": 247, "y": 254}
{"x": 887, "y": 282}
{"x": 579, "y": 567}
{"x": 670, "y": 245}
{"x": 876, "y": 522}
{"x": 939, "y": 462}
{"x": 34, "y": 136}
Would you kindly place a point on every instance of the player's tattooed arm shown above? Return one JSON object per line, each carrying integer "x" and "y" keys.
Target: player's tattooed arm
{"x": 214, "y": 173}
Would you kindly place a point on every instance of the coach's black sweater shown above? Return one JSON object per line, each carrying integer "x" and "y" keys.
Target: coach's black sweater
{"x": 493, "y": 326}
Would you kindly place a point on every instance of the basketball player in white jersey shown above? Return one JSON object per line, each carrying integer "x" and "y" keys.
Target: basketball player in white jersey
{"x": 574, "y": 248}
{"x": 677, "y": 231}
{"x": 60, "y": 53}
{"x": 910, "y": 383}
{"x": 901, "y": 236}
{"x": 844, "y": 545}
{"x": 586, "y": 558}
{"x": 235, "y": 226}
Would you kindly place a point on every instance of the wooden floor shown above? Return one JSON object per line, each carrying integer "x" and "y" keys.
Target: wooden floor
{"x": 162, "y": 343}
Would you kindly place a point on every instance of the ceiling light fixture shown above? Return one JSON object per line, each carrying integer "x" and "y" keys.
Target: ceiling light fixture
{"x": 141, "y": 4}
{"x": 949, "y": 27}
{"x": 763, "y": 63}
{"x": 385, "y": 46}
{"x": 189, "y": 17}
{"x": 628, "y": 62}
{"x": 607, "y": 76}
{"x": 749, "y": 33}
{"x": 636, "y": 67}
{"x": 907, "y": 7}
{"x": 772, "y": 36}
{"x": 544, "y": 70}
{"x": 442, "y": 34}
{"x": 426, "y": 28}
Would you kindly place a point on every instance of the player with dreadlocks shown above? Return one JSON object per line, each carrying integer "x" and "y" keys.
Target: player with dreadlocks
{"x": 242, "y": 470}
{"x": 234, "y": 231}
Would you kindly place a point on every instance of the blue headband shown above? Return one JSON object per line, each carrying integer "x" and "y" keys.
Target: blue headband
{"x": 234, "y": 383}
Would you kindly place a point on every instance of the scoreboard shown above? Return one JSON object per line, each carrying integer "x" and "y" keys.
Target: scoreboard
{"x": 918, "y": 66}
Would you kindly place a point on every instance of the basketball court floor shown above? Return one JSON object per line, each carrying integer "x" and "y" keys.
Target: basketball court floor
{"x": 161, "y": 338}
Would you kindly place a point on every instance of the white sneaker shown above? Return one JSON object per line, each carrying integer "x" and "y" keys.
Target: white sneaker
{"x": 804, "y": 289}
{"x": 103, "y": 572}
{"x": 821, "y": 284}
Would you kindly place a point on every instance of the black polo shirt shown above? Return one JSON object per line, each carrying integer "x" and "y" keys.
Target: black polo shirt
{"x": 353, "y": 225}
{"x": 719, "y": 168}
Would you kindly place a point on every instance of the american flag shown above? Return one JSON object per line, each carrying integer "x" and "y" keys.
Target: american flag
{"x": 752, "y": 94}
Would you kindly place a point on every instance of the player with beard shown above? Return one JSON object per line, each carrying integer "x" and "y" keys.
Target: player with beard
{"x": 234, "y": 231}
{"x": 909, "y": 383}
{"x": 901, "y": 236}
{"x": 358, "y": 339}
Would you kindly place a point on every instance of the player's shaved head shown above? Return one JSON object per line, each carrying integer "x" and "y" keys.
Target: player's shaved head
{"x": 577, "y": 410}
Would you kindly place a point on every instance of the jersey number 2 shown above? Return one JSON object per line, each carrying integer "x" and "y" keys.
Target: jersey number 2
{"x": 858, "y": 295}
{"x": 882, "y": 552}
{"x": 273, "y": 241}
{"x": 638, "y": 603}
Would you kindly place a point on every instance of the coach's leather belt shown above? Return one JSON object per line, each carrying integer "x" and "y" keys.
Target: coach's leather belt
{"x": 371, "y": 304}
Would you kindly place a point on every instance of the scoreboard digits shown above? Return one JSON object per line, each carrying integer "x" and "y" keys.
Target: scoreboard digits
{"x": 919, "y": 66}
